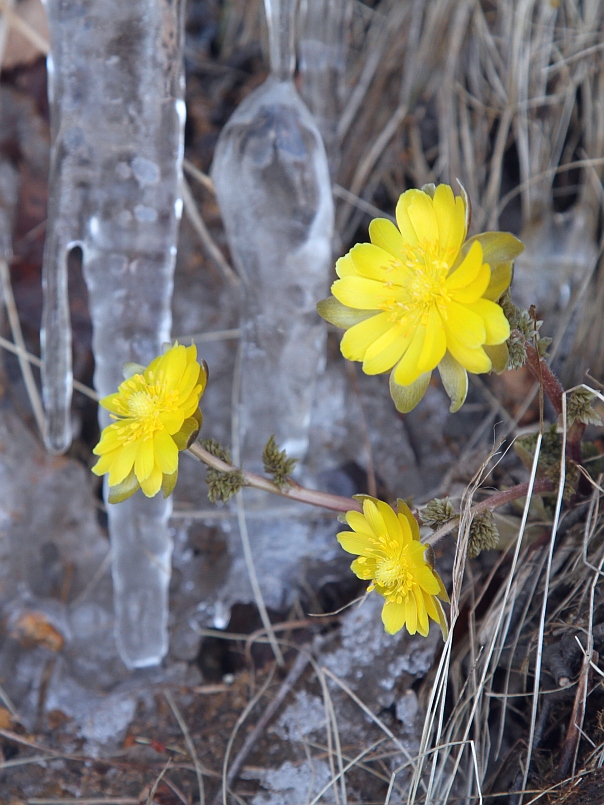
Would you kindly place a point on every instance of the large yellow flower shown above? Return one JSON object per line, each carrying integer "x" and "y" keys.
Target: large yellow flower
{"x": 156, "y": 413}
{"x": 423, "y": 296}
{"x": 391, "y": 555}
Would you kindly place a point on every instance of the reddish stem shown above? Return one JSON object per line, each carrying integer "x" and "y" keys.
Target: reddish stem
{"x": 496, "y": 500}
{"x": 555, "y": 392}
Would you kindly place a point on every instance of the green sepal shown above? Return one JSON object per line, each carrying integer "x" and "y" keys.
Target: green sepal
{"x": 499, "y": 355}
{"x": 129, "y": 369}
{"x": 455, "y": 381}
{"x": 168, "y": 482}
{"x": 123, "y": 490}
{"x": 189, "y": 430}
{"x": 362, "y": 497}
{"x": 341, "y": 518}
{"x": 405, "y": 398}
{"x": 340, "y": 315}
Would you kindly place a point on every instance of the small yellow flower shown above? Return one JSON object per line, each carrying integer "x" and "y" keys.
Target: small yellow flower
{"x": 156, "y": 413}
{"x": 392, "y": 557}
{"x": 421, "y": 296}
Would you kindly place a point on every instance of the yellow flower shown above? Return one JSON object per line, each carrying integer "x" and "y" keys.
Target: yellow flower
{"x": 156, "y": 413}
{"x": 391, "y": 555}
{"x": 421, "y": 296}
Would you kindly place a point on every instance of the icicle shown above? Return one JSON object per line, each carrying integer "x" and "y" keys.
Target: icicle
{"x": 322, "y": 67}
{"x": 116, "y": 88}
{"x": 272, "y": 182}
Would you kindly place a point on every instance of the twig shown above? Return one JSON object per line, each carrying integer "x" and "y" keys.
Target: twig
{"x": 199, "y": 226}
{"x": 541, "y": 486}
{"x": 227, "y": 778}
{"x": 189, "y": 744}
{"x": 27, "y": 356}
{"x": 155, "y": 785}
{"x": 15, "y": 326}
{"x": 294, "y": 492}
{"x": 26, "y": 30}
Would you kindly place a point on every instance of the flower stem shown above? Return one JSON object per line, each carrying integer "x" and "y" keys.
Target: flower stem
{"x": 555, "y": 393}
{"x": 494, "y": 502}
{"x": 294, "y": 491}
{"x": 341, "y": 504}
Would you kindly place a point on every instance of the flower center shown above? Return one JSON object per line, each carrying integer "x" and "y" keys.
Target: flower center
{"x": 423, "y": 273}
{"x": 140, "y": 405}
{"x": 390, "y": 571}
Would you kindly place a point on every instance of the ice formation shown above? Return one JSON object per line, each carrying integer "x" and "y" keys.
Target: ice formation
{"x": 116, "y": 91}
{"x": 272, "y": 183}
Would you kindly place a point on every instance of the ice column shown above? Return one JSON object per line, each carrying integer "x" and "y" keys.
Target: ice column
{"x": 272, "y": 182}
{"x": 116, "y": 91}
{"x": 322, "y": 47}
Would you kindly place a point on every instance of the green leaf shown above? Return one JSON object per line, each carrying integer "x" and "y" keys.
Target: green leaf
{"x": 455, "y": 381}
{"x": 407, "y": 397}
{"x": 336, "y": 313}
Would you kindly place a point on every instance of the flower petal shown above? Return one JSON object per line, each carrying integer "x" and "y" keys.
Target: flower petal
{"x": 359, "y": 544}
{"x": 374, "y": 263}
{"x": 166, "y": 452}
{"x": 402, "y": 218}
{"x": 152, "y": 484}
{"x": 407, "y": 516}
{"x": 383, "y": 233}
{"x": 358, "y": 523}
{"x": 422, "y": 216}
{"x": 467, "y": 271}
{"x": 144, "y": 462}
{"x": 357, "y": 340}
{"x": 475, "y": 289}
{"x": 411, "y": 614}
{"x": 361, "y": 293}
{"x": 407, "y": 369}
{"x": 123, "y": 461}
{"x": 345, "y": 266}
{"x": 394, "y": 616}
{"x": 465, "y": 325}
{"x": 374, "y": 518}
{"x": 497, "y": 327}
{"x": 172, "y": 420}
{"x": 451, "y": 216}
{"x": 386, "y": 351}
{"x": 363, "y": 568}
{"x": 473, "y": 360}
{"x": 435, "y": 342}
{"x": 393, "y": 527}
{"x": 423, "y": 625}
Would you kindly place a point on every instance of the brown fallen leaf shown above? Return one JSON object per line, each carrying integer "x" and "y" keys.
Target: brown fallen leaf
{"x": 34, "y": 629}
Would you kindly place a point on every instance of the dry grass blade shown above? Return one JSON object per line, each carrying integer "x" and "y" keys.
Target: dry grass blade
{"x": 15, "y": 326}
{"x": 206, "y": 239}
{"x": 189, "y": 744}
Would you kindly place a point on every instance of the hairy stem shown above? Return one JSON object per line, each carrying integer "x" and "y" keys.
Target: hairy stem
{"x": 494, "y": 502}
{"x": 294, "y": 491}
{"x": 342, "y": 504}
{"x": 555, "y": 393}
